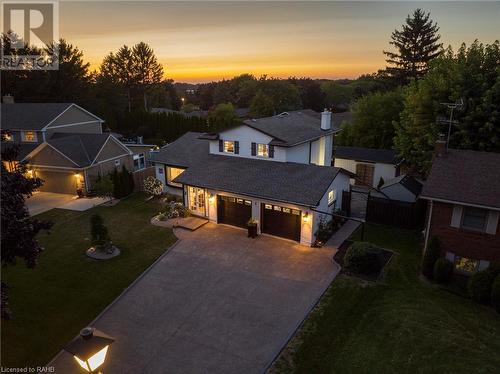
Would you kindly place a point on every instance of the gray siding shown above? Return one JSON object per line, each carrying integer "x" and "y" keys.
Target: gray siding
{"x": 50, "y": 157}
{"x": 110, "y": 150}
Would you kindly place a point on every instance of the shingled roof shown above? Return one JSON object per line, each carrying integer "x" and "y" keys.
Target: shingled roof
{"x": 301, "y": 184}
{"x": 186, "y": 151}
{"x": 384, "y": 156}
{"x": 463, "y": 176}
{"x": 30, "y": 116}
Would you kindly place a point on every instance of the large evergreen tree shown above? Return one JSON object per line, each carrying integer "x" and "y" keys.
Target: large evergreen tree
{"x": 417, "y": 43}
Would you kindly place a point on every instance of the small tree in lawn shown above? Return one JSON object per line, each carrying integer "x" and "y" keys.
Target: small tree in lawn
{"x": 99, "y": 233}
{"x": 153, "y": 186}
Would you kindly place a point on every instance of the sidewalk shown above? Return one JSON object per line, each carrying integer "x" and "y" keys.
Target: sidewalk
{"x": 341, "y": 235}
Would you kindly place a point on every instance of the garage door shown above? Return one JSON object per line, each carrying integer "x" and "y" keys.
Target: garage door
{"x": 281, "y": 221}
{"x": 233, "y": 211}
{"x": 57, "y": 181}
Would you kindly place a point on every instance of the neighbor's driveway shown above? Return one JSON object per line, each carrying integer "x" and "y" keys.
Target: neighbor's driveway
{"x": 218, "y": 302}
{"x": 43, "y": 201}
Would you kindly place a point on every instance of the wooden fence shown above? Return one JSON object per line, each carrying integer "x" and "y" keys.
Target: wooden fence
{"x": 396, "y": 213}
{"x": 140, "y": 175}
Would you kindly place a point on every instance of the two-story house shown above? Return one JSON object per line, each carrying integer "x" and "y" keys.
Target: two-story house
{"x": 276, "y": 170}
{"x": 463, "y": 191}
{"x": 63, "y": 144}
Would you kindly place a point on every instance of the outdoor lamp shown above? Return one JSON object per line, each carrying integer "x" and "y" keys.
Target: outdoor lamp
{"x": 89, "y": 348}
{"x": 306, "y": 217}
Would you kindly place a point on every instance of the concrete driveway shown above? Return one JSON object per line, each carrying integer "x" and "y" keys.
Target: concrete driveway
{"x": 217, "y": 302}
{"x": 43, "y": 201}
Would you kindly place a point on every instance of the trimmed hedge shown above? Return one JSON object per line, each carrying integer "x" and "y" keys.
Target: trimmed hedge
{"x": 363, "y": 258}
{"x": 442, "y": 270}
{"x": 430, "y": 257}
{"x": 495, "y": 294}
{"x": 480, "y": 286}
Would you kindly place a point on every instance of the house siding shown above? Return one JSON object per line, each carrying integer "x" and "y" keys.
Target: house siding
{"x": 72, "y": 115}
{"x": 111, "y": 150}
{"x": 462, "y": 242}
{"x": 107, "y": 167}
{"x": 386, "y": 171}
{"x": 49, "y": 157}
{"x": 84, "y": 128}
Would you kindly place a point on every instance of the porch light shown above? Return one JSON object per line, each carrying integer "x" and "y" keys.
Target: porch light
{"x": 77, "y": 175}
{"x": 306, "y": 217}
{"x": 30, "y": 173}
{"x": 211, "y": 198}
{"x": 89, "y": 348}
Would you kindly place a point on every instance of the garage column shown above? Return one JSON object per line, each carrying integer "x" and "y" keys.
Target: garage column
{"x": 256, "y": 213}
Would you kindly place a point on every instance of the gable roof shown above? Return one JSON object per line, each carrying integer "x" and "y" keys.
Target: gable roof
{"x": 469, "y": 177}
{"x": 384, "y": 156}
{"x": 301, "y": 184}
{"x": 186, "y": 151}
{"x": 34, "y": 116}
{"x": 291, "y": 128}
{"x": 407, "y": 181}
{"x": 22, "y": 149}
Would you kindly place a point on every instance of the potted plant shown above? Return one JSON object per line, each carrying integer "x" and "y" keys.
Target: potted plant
{"x": 252, "y": 228}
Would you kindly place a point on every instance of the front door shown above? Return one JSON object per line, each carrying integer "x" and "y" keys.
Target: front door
{"x": 197, "y": 201}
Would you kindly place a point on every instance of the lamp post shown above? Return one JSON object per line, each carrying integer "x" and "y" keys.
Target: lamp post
{"x": 89, "y": 348}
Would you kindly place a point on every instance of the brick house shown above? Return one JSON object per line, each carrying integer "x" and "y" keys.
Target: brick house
{"x": 463, "y": 191}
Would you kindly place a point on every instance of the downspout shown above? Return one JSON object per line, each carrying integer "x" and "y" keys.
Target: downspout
{"x": 85, "y": 181}
{"x": 428, "y": 228}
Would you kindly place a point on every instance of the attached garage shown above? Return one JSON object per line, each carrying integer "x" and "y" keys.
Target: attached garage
{"x": 281, "y": 221}
{"x": 233, "y": 211}
{"x": 57, "y": 181}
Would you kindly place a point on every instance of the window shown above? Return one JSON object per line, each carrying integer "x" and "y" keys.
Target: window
{"x": 228, "y": 146}
{"x": 474, "y": 218}
{"x": 331, "y": 197}
{"x": 117, "y": 163}
{"x": 139, "y": 161}
{"x": 29, "y": 136}
{"x": 8, "y": 137}
{"x": 466, "y": 265}
{"x": 286, "y": 210}
{"x": 173, "y": 173}
{"x": 278, "y": 208}
{"x": 262, "y": 150}
{"x": 268, "y": 206}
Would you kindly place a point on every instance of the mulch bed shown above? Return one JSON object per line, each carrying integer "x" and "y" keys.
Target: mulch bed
{"x": 339, "y": 258}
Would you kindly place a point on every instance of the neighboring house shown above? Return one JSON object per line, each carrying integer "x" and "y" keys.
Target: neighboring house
{"x": 402, "y": 188}
{"x": 276, "y": 170}
{"x": 463, "y": 190}
{"x": 370, "y": 165}
{"x": 63, "y": 144}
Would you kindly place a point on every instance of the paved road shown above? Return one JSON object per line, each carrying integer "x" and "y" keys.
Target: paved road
{"x": 218, "y": 302}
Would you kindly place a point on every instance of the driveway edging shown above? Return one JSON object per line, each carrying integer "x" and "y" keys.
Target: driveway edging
{"x": 123, "y": 293}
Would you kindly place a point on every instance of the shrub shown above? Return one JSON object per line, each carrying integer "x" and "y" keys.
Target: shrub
{"x": 153, "y": 186}
{"x": 495, "y": 293}
{"x": 363, "y": 258}
{"x": 123, "y": 183}
{"x": 103, "y": 187}
{"x": 430, "y": 257}
{"x": 99, "y": 232}
{"x": 480, "y": 285}
{"x": 442, "y": 270}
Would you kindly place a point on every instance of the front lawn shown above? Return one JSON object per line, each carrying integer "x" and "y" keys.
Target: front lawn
{"x": 402, "y": 325}
{"x": 67, "y": 290}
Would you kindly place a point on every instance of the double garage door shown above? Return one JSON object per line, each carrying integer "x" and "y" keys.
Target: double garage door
{"x": 57, "y": 181}
{"x": 275, "y": 220}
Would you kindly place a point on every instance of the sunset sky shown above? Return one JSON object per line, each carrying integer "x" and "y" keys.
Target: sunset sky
{"x": 203, "y": 41}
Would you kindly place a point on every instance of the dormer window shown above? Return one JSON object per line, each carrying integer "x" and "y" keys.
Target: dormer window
{"x": 29, "y": 136}
{"x": 228, "y": 146}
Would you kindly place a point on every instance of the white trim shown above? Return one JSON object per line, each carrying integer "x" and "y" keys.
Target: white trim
{"x": 71, "y": 105}
{"x": 129, "y": 152}
{"x": 54, "y": 167}
{"x": 110, "y": 159}
{"x": 74, "y": 124}
{"x": 459, "y": 203}
{"x": 34, "y": 151}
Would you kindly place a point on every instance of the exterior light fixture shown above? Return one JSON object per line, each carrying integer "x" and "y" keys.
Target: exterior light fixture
{"x": 89, "y": 348}
{"x": 30, "y": 173}
{"x": 211, "y": 198}
{"x": 77, "y": 175}
{"x": 306, "y": 217}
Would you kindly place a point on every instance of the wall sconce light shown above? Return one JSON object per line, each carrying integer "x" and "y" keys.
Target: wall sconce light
{"x": 30, "y": 173}
{"x": 77, "y": 175}
{"x": 211, "y": 198}
{"x": 306, "y": 217}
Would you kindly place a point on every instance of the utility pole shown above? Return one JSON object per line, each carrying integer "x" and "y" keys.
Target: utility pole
{"x": 452, "y": 107}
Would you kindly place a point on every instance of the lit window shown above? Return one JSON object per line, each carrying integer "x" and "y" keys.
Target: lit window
{"x": 278, "y": 208}
{"x": 296, "y": 212}
{"x": 286, "y": 210}
{"x": 248, "y": 202}
{"x": 228, "y": 146}
{"x": 331, "y": 197}
{"x": 466, "y": 265}
{"x": 239, "y": 201}
{"x": 8, "y": 137}
{"x": 474, "y": 218}
{"x": 29, "y": 136}
{"x": 268, "y": 206}
{"x": 262, "y": 150}
{"x": 139, "y": 161}
{"x": 173, "y": 173}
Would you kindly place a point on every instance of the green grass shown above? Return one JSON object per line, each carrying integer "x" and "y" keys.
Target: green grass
{"x": 403, "y": 325}
{"x": 67, "y": 290}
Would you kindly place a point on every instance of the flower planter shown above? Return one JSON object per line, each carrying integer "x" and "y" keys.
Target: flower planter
{"x": 252, "y": 230}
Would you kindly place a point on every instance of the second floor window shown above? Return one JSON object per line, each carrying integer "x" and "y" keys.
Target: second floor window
{"x": 475, "y": 218}
{"x": 262, "y": 150}
{"x": 29, "y": 136}
{"x": 228, "y": 146}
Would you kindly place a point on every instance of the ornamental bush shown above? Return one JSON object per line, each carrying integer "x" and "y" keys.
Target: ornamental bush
{"x": 430, "y": 257}
{"x": 495, "y": 293}
{"x": 153, "y": 186}
{"x": 442, "y": 270}
{"x": 363, "y": 258}
{"x": 99, "y": 232}
{"x": 480, "y": 286}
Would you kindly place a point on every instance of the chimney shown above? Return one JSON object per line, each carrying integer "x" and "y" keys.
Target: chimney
{"x": 8, "y": 99}
{"x": 326, "y": 120}
{"x": 440, "y": 146}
